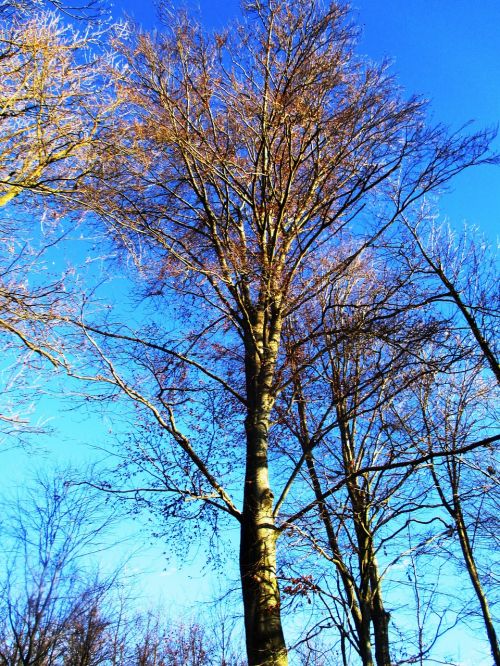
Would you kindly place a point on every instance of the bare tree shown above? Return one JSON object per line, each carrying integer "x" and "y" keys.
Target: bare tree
{"x": 51, "y": 112}
{"x": 88, "y": 10}
{"x": 51, "y": 109}
{"x": 55, "y": 609}
{"x": 453, "y": 411}
{"x": 237, "y": 166}
{"x": 353, "y": 358}
{"x": 51, "y": 600}
{"x": 174, "y": 645}
{"x": 465, "y": 267}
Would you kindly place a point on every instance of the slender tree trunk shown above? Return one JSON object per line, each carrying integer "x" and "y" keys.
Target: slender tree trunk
{"x": 261, "y": 597}
{"x": 265, "y": 641}
{"x": 478, "y": 588}
{"x": 366, "y": 651}
{"x": 370, "y": 594}
{"x": 362, "y": 626}
{"x": 380, "y": 617}
{"x": 360, "y": 616}
{"x": 455, "y": 511}
{"x": 365, "y": 642}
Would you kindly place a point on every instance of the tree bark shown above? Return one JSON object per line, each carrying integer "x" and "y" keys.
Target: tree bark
{"x": 265, "y": 641}
{"x": 371, "y": 595}
{"x": 380, "y": 617}
{"x": 261, "y": 596}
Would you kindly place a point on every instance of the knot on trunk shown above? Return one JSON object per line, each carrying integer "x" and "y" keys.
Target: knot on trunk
{"x": 267, "y": 499}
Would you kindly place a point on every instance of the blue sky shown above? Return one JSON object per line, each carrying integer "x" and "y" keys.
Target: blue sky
{"x": 448, "y": 51}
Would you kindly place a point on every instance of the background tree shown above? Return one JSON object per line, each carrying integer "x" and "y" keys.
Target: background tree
{"x": 51, "y": 601}
{"x": 51, "y": 111}
{"x": 87, "y": 10}
{"x": 466, "y": 269}
{"x": 455, "y": 410}
{"x": 354, "y": 356}
{"x": 55, "y": 609}
{"x": 351, "y": 409}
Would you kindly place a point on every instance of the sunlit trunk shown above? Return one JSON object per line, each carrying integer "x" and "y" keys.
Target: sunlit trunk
{"x": 261, "y": 596}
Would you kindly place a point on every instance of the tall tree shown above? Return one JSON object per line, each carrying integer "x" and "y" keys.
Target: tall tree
{"x": 51, "y": 601}
{"x": 455, "y": 410}
{"x": 353, "y": 358}
{"x": 237, "y": 166}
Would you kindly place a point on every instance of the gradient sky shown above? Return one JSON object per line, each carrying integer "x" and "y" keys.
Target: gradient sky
{"x": 449, "y": 52}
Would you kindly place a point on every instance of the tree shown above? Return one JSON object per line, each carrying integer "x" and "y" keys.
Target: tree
{"x": 466, "y": 270}
{"x": 51, "y": 111}
{"x": 55, "y": 609}
{"x": 359, "y": 349}
{"x": 51, "y": 107}
{"x": 51, "y": 602}
{"x": 91, "y": 10}
{"x": 455, "y": 410}
{"x": 173, "y": 646}
{"x": 237, "y": 169}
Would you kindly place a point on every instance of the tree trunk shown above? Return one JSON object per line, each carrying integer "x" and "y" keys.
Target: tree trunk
{"x": 365, "y": 645}
{"x": 362, "y": 627}
{"x": 474, "y": 576}
{"x": 370, "y": 593}
{"x": 261, "y": 597}
{"x": 359, "y": 611}
{"x": 455, "y": 511}
{"x": 380, "y": 618}
{"x": 265, "y": 641}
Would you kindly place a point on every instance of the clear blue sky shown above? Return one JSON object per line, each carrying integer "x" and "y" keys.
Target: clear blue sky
{"x": 449, "y": 52}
